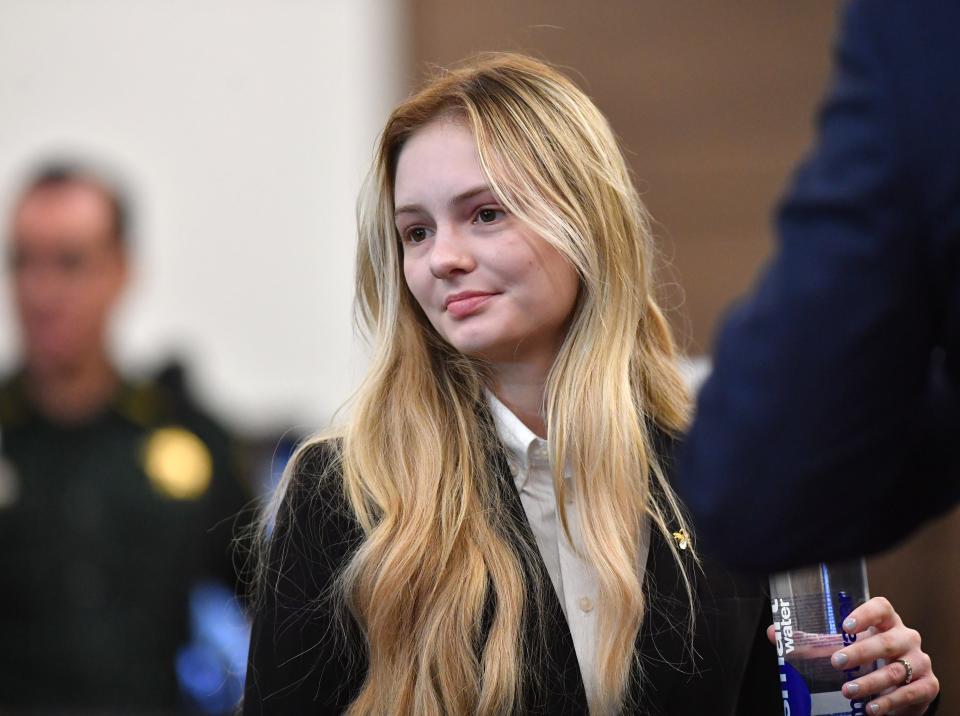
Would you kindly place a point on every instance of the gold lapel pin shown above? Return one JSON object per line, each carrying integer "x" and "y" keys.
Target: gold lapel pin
{"x": 682, "y": 539}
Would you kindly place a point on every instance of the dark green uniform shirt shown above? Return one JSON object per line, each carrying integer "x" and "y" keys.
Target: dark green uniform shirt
{"x": 104, "y": 526}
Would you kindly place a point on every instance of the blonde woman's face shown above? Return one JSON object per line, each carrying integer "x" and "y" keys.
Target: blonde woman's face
{"x": 491, "y": 287}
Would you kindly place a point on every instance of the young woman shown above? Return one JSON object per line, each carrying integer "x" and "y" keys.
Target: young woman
{"x": 494, "y": 531}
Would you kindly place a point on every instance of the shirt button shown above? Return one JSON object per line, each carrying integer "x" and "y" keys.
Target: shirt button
{"x": 585, "y": 604}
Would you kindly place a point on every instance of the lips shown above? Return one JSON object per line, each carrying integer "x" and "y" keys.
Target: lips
{"x": 461, "y": 305}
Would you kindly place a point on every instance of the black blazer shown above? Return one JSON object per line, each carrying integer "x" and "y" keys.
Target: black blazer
{"x": 301, "y": 662}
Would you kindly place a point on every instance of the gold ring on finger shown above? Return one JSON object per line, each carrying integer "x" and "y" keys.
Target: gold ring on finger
{"x": 908, "y": 670}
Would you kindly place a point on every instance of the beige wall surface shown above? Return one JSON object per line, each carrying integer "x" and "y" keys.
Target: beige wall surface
{"x": 714, "y": 103}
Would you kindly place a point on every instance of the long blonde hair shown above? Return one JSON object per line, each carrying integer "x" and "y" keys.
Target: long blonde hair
{"x": 416, "y": 453}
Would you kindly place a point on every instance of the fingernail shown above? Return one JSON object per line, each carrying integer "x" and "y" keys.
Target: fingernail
{"x": 874, "y": 708}
{"x": 839, "y": 659}
{"x": 849, "y": 624}
{"x": 853, "y": 688}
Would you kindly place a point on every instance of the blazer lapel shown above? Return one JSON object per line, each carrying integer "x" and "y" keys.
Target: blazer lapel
{"x": 663, "y": 645}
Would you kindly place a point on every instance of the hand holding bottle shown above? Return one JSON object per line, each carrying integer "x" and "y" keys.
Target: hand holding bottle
{"x": 907, "y": 684}
{"x": 881, "y": 634}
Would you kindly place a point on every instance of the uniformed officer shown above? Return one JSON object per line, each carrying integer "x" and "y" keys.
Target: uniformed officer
{"x": 115, "y": 498}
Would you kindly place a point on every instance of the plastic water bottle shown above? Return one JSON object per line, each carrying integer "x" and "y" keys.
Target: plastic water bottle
{"x": 809, "y": 608}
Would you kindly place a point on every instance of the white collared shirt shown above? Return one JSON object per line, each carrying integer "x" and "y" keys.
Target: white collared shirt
{"x": 574, "y": 580}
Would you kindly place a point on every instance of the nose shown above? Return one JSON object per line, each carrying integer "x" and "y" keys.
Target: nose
{"x": 451, "y": 253}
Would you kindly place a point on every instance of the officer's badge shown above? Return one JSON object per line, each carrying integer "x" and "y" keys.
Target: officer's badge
{"x": 178, "y": 463}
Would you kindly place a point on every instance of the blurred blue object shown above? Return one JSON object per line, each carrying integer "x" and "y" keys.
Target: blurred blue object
{"x": 283, "y": 451}
{"x": 212, "y": 667}
{"x": 285, "y": 448}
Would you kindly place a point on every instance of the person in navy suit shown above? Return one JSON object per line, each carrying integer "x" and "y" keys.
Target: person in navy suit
{"x": 829, "y": 427}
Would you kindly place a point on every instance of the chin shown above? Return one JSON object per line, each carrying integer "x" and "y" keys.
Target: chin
{"x": 50, "y": 361}
{"x": 489, "y": 352}
{"x": 471, "y": 350}
{"x": 484, "y": 341}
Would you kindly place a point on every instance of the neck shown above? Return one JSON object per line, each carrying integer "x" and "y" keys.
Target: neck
{"x": 75, "y": 393}
{"x": 520, "y": 386}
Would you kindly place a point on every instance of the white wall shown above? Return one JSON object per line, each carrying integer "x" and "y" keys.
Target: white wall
{"x": 244, "y": 128}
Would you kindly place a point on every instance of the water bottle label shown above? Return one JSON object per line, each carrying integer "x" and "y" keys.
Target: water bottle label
{"x": 809, "y": 684}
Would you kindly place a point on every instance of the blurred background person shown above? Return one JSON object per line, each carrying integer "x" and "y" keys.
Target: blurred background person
{"x": 116, "y": 498}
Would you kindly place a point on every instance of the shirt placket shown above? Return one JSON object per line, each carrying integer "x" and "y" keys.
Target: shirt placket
{"x": 580, "y": 589}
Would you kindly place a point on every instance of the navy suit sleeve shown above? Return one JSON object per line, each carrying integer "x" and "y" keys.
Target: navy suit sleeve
{"x": 815, "y": 430}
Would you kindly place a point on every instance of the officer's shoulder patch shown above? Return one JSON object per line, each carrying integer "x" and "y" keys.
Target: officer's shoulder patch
{"x": 141, "y": 403}
{"x": 9, "y": 484}
{"x": 13, "y": 404}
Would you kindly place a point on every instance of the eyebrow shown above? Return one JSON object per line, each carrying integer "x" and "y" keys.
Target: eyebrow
{"x": 458, "y": 199}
